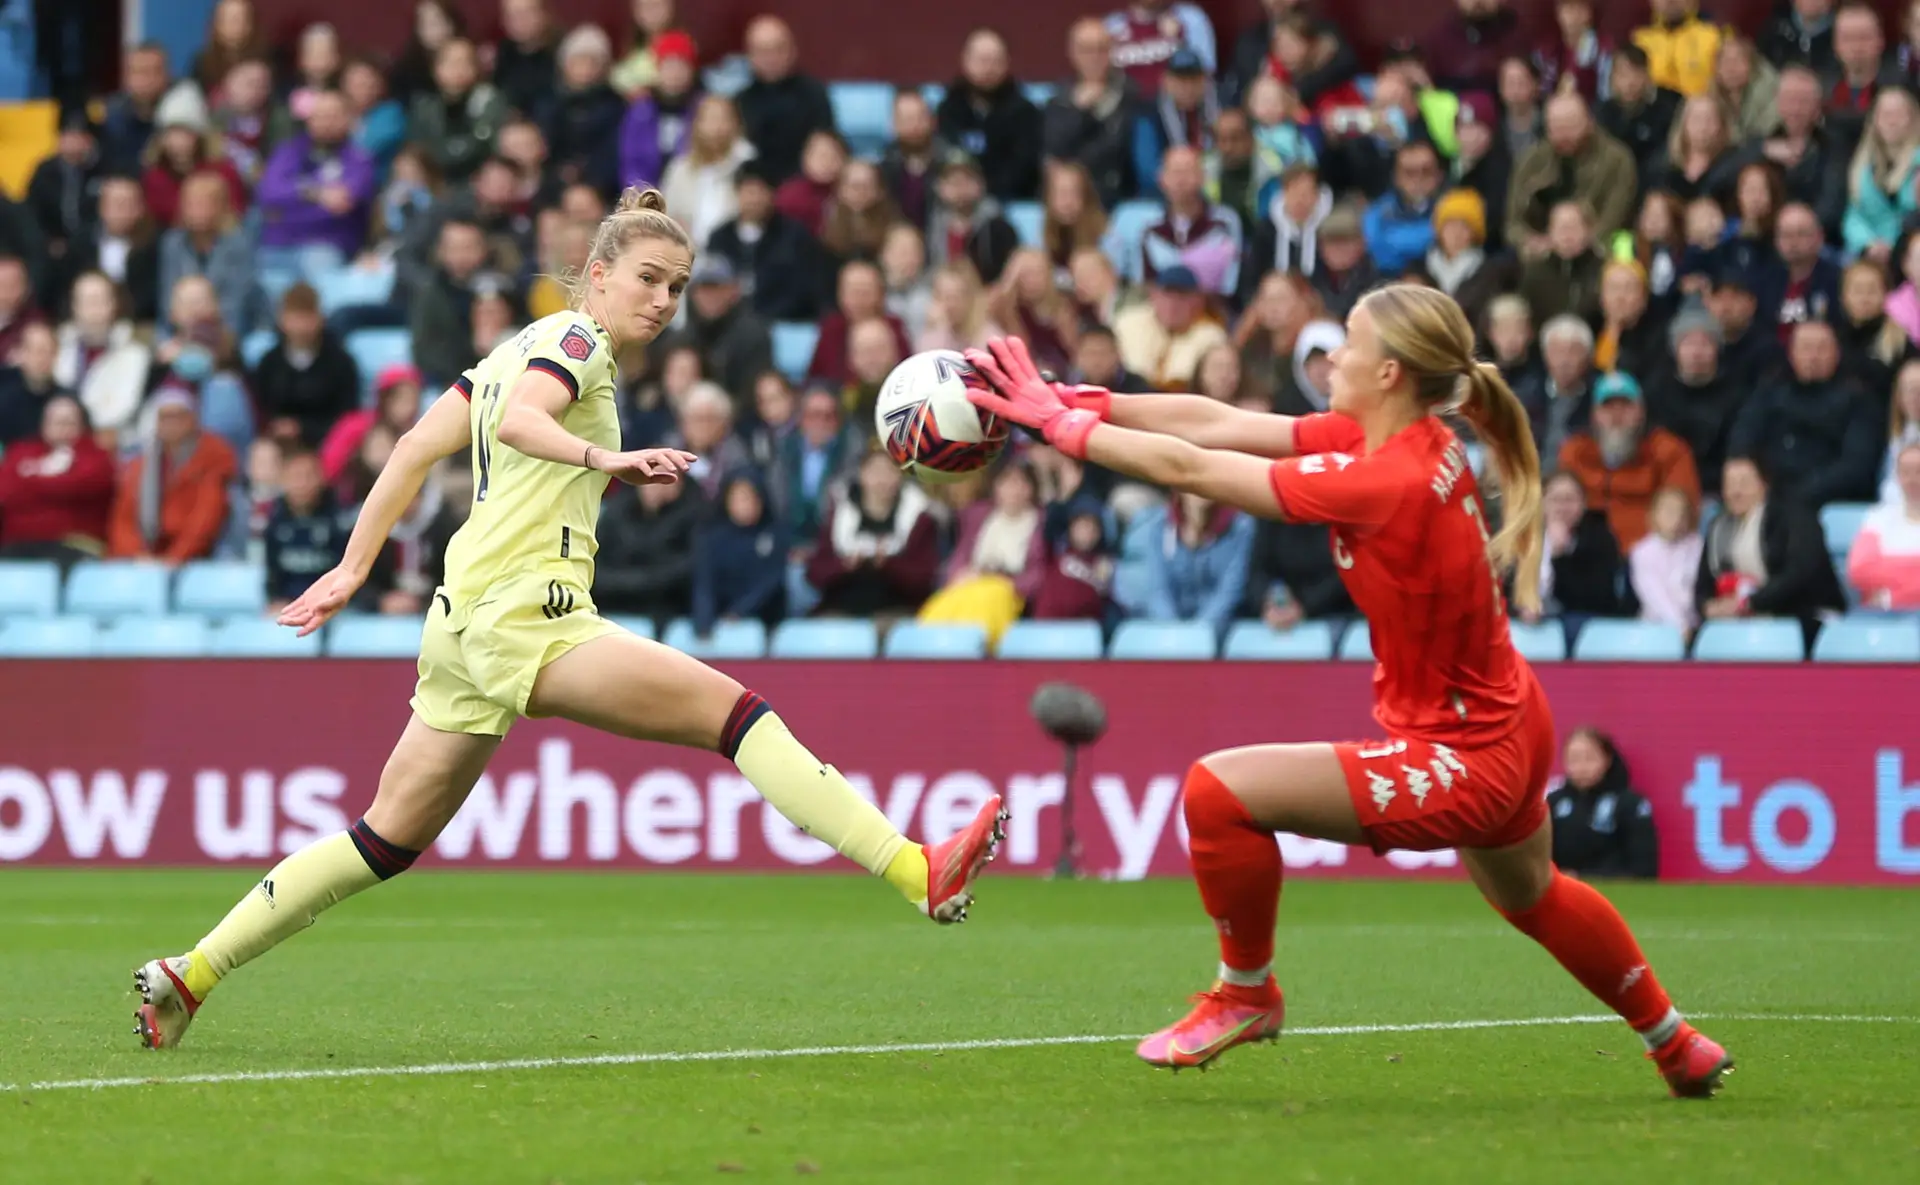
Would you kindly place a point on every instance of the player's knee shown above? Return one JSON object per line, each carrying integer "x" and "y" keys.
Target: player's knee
{"x": 385, "y": 858}
{"x": 1208, "y": 802}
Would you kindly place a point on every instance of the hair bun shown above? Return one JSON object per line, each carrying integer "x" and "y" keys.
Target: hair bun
{"x": 638, "y": 199}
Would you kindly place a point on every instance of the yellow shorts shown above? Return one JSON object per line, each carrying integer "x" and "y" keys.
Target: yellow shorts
{"x": 478, "y": 662}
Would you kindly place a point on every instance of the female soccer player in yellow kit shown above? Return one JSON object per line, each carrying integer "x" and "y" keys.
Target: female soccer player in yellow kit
{"x": 513, "y": 631}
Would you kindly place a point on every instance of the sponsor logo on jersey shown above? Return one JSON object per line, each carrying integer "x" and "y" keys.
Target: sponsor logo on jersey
{"x": 577, "y": 344}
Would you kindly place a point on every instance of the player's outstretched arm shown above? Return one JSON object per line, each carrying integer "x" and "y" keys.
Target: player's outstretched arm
{"x": 1201, "y": 421}
{"x": 531, "y": 425}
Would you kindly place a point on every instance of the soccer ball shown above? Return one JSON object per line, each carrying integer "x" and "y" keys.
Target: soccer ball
{"x": 926, "y": 423}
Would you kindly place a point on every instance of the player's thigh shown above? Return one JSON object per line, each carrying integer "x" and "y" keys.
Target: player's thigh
{"x": 1297, "y": 788}
{"x": 427, "y": 778}
{"x": 633, "y": 687}
{"x": 1515, "y": 877}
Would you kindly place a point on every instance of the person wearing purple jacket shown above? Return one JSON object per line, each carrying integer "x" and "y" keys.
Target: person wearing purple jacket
{"x": 659, "y": 123}
{"x": 317, "y": 186}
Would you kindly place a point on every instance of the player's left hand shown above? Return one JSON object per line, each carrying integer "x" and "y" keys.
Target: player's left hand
{"x": 645, "y": 467}
{"x": 323, "y": 598}
{"x": 1020, "y": 394}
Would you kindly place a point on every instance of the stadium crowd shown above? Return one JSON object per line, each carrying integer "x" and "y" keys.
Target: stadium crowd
{"x": 1693, "y": 253}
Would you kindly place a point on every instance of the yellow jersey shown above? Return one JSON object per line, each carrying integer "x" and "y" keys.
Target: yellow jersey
{"x": 530, "y": 515}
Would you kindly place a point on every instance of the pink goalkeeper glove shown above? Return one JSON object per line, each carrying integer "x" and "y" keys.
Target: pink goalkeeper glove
{"x": 1019, "y": 395}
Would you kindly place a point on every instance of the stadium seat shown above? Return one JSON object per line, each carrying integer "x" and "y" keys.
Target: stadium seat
{"x": 639, "y": 627}
{"x": 107, "y": 588}
{"x": 793, "y": 346}
{"x": 255, "y": 345}
{"x": 933, "y": 93}
{"x": 47, "y": 637}
{"x": 350, "y": 286}
{"x": 1869, "y": 639}
{"x": 220, "y": 587}
{"x": 1028, "y": 218}
{"x": 1050, "y": 641}
{"x": 1356, "y": 645}
{"x": 1163, "y": 641}
{"x": 824, "y": 638}
{"x": 259, "y": 637}
{"x": 29, "y": 588}
{"x": 363, "y": 635}
{"x": 152, "y": 637}
{"x": 1038, "y": 93}
{"x": 910, "y": 639}
{"x": 1544, "y": 642}
{"x": 1760, "y": 639}
{"x": 863, "y": 111}
{"x": 1629, "y": 641}
{"x": 275, "y": 280}
{"x": 1124, "y": 230}
{"x": 729, "y": 639}
{"x": 374, "y": 350}
{"x": 1256, "y": 641}
{"x": 1841, "y": 522}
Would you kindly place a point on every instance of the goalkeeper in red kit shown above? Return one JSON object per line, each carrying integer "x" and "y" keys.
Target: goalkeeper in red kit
{"x": 1468, "y": 736}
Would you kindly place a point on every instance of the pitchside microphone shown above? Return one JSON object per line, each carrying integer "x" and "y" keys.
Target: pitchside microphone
{"x": 1073, "y": 716}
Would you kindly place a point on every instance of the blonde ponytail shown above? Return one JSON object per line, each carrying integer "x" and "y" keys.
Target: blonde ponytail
{"x": 1501, "y": 421}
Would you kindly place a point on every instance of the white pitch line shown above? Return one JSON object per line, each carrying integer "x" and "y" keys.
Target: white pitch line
{"x": 741, "y": 1055}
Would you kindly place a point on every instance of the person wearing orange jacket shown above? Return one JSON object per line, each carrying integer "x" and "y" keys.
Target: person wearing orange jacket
{"x": 173, "y": 499}
{"x": 1622, "y": 463}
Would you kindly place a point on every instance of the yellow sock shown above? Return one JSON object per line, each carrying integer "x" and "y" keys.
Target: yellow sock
{"x": 908, "y": 872}
{"x": 285, "y": 902}
{"x": 819, "y": 801}
{"x": 200, "y": 978}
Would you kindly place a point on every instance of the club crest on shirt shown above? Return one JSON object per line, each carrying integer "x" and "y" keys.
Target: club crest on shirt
{"x": 576, "y": 344}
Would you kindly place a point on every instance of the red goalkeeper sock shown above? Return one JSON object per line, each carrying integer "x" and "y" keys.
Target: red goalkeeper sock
{"x": 1586, "y": 933}
{"x": 1237, "y": 864}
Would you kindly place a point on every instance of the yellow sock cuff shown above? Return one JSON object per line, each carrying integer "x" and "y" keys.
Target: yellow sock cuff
{"x": 907, "y": 872}
{"x": 200, "y": 978}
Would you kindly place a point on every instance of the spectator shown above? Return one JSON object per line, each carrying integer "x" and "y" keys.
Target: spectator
{"x": 859, "y": 215}
{"x": 1578, "y": 57}
{"x": 1903, "y": 307}
{"x": 775, "y": 261}
{"x": 63, "y": 196}
{"x": 647, "y": 541}
{"x": 775, "y": 417}
{"x": 1702, "y": 158}
{"x": 1288, "y": 238}
{"x": 202, "y": 358}
{"x": 1861, "y": 68}
{"x": 655, "y": 22}
{"x": 435, "y": 22}
{"x": 908, "y": 167}
{"x": 307, "y": 381}
{"x": 1576, "y": 162}
{"x": 647, "y": 407}
{"x": 986, "y": 113}
{"x": 1265, "y": 334}
{"x": 1765, "y": 556}
{"x": 1280, "y": 134}
{"x": 1471, "y": 42}
{"x": 1182, "y": 116}
{"x": 705, "y": 427}
{"x": 1881, "y": 185}
{"x": 1400, "y": 224}
{"x": 122, "y": 244}
{"x": 735, "y": 345}
{"x": 740, "y": 559}
{"x": 318, "y": 186}
{"x": 1695, "y": 397}
{"x": 1630, "y": 340}
{"x": 1189, "y": 561}
{"x": 440, "y": 313}
{"x": 1164, "y": 339}
{"x": 1097, "y": 363}
{"x": 1815, "y": 432}
{"x": 1884, "y": 561}
{"x": 1027, "y": 302}
{"x": 172, "y": 501}
{"x": 1344, "y": 271}
{"x": 1581, "y": 574}
{"x": 1622, "y": 463}
{"x": 878, "y": 552}
{"x": 1799, "y": 283}
{"x": 1077, "y": 581}
{"x": 805, "y": 197}
{"x": 233, "y": 35}
{"x": 1521, "y": 91}
{"x": 100, "y": 357}
{"x": 565, "y": 246}
{"x": 1810, "y": 154}
{"x": 56, "y": 489}
{"x": 1747, "y": 88}
{"x": 129, "y": 120}
{"x": 903, "y": 265}
{"x": 209, "y": 242}
{"x": 781, "y": 108}
{"x": 861, "y": 296}
{"x": 582, "y": 117}
{"x": 1482, "y": 166}
{"x": 873, "y": 350}
{"x": 1872, "y": 344}
{"x": 999, "y": 557}
{"x": 525, "y": 58}
{"x": 1601, "y": 826}
{"x": 1291, "y": 576}
{"x": 1148, "y": 34}
{"x": 1681, "y": 46}
{"x": 1312, "y": 387}
{"x": 816, "y": 454}
{"x": 1659, "y": 245}
{"x": 1072, "y": 219}
{"x": 1800, "y": 32}
{"x": 1567, "y": 278}
{"x": 244, "y": 114}
{"x": 1664, "y": 564}
{"x": 1907, "y": 54}
{"x": 1203, "y": 237}
{"x": 699, "y": 183}
{"x": 658, "y": 125}
{"x": 459, "y": 119}
{"x": 306, "y": 535}
{"x": 1253, "y": 51}
{"x": 1559, "y": 404}
{"x": 182, "y": 148}
{"x": 491, "y": 201}
{"x": 317, "y": 60}
{"x": 379, "y": 121}
{"x": 1903, "y": 426}
{"x": 1301, "y": 50}
{"x": 27, "y": 383}
{"x": 1750, "y": 238}
{"x": 1511, "y": 346}
{"x": 966, "y": 224}
{"x": 493, "y": 315}
{"x": 1218, "y": 376}
{"x": 396, "y": 394}
{"x": 1751, "y": 352}
{"x": 1089, "y": 120}
{"x": 1095, "y": 286}
{"x": 1637, "y": 113}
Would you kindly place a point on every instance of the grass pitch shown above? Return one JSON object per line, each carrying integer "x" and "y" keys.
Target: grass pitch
{"x": 1813, "y": 990}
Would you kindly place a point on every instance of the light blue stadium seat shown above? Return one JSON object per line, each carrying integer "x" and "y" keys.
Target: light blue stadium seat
{"x": 639, "y": 627}
{"x": 47, "y": 637}
{"x": 220, "y": 587}
{"x": 729, "y": 639}
{"x": 863, "y": 111}
{"x": 1545, "y": 642}
{"x": 793, "y": 346}
{"x": 1038, "y": 92}
{"x": 1124, "y": 230}
{"x": 107, "y": 588}
{"x": 374, "y": 350}
{"x": 933, "y": 93}
{"x": 1356, "y": 645}
{"x": 1163, "y": 641}
{"x": 29, "y": 588}
{"x": 824, "y": 638}
{"x": 1055, "y": 641}
{"x": 1028, "y": 219}
{"x": 275, "y": 280}
{"x": 1629, "y": 641}
{"x": 259, "y": 637}
{"x": 364, "y": 635}
{"x": 255, "y": 346}
{"x": 1869, "y": 639}
{"x": 350, "y": 286}
{"x": 152, "y": 637}
{"x": 910, "y": 639}
{"x": 1256, "y": 641}
{"x": 1841, "y": 522}
{"x": 1759, "y": 639}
